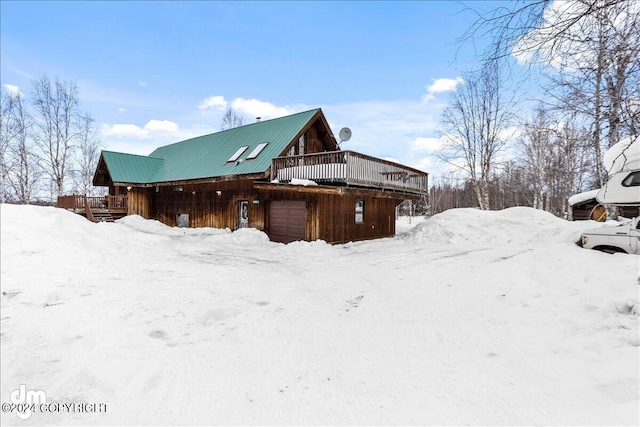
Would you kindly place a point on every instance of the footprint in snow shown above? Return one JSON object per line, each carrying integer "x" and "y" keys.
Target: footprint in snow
{"x": 353, "y": 302}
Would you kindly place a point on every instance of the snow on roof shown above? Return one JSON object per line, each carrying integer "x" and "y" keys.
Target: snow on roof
{"x": 583, "y": 197}
{"x": 624, "y": 154}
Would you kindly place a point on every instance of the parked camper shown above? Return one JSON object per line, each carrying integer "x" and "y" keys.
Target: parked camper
{"x": 622, "y": 189}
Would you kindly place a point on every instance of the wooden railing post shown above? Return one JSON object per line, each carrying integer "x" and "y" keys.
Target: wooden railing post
{"x": 87, "y": 209}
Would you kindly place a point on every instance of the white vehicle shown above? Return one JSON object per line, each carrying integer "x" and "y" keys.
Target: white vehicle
{"x": 622, "y": 162}
{"x": 620, "y": 238}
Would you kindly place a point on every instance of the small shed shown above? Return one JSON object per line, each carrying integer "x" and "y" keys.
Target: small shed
{"x": 584, "y": 206}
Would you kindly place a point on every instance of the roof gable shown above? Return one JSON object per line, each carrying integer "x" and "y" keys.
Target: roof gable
{"x": 123, "y": 167}
{"x": 208, "y": 156}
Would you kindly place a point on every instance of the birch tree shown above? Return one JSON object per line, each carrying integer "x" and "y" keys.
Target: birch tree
{"x": 6, "y": 135}
{"x": 55, "y": 116}
{"x": 473, "y": 123}
{"x": 21, "y": 169}
{"x": 87, "y": 154}
{"x": 590, "y": 51}
{"x": 25, "y": 173}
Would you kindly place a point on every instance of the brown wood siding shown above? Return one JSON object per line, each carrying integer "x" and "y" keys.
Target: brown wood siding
{"x": 287, "y": 220}
{"x": 331, "y": 216}
{"x": 329, "y": 212}
{"x": 581, "y": 211}
{"x": 206, "y": 207}
{"x": 629, "y": 211}
{"x": 139, "y": 202}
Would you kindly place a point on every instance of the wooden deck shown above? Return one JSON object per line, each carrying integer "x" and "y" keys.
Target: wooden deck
{"x": 352, "y": 169}
{"x": 96, "y": 209}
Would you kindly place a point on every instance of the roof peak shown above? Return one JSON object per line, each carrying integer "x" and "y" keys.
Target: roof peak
{"x": 261, "y": 122}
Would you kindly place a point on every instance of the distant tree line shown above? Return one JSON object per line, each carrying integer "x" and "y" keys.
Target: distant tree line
{"x": 589, "y": 53}
{"x": 48, "y": 145}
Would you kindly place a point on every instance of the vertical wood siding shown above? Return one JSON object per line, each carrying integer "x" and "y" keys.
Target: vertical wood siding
{"x": 139, "y": 202}
{"x": 329, "y": 216}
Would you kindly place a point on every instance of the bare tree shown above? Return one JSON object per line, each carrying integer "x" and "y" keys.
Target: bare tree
{"x": 473, "y": 122}
{"x": 589, "y": 49}
{"x": 507, "y": 26}
{"x": 596, "y": 73}
{"x": 231, "y": 120}
{"x": 87, "y": 155}
{"x": 56, "y": 111}
{"x": 555, "y": 159}
{"x": 23, "y": 164}
{"x": 7, "y": 132}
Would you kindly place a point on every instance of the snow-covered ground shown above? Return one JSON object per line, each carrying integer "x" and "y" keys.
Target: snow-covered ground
{"x": 468, "y": 317}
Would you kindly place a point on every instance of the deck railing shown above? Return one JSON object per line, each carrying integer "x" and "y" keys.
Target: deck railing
{"x": 111, "y": 203}
{"x": 350, "y": 168}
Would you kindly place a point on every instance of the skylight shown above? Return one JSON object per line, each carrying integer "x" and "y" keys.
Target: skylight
{"x": 257, "y": 150}
{"x": 238, "y": 153}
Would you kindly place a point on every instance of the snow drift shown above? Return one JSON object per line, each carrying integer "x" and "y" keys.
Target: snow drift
{"x": 513, "y": 226}
{"x": 469, "y": 318}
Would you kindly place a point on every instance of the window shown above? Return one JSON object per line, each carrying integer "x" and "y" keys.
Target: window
{"x": 238, "y": 153}
{"x": 183, "y": 220}
{"x": 301, "y": 145}
{"x": 359, "y": 211}
{"x": 632, "y": 180}
{"x": 253, "y": 154}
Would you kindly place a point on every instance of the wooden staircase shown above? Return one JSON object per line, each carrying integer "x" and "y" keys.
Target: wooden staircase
{"x": 95, "y": 209}
{"x": 107, "y": 216}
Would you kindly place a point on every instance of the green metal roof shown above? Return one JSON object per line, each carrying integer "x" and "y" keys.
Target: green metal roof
{"x": 207, "y": 156}
{"x": 130, "y": 167}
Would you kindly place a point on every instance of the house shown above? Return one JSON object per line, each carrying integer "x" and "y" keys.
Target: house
{"x": 285, "y": 176}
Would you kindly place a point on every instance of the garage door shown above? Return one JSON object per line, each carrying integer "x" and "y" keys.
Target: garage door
{"x": 287, "y": 220}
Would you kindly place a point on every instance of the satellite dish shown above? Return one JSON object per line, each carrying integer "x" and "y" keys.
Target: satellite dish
{"x": 345, "y": 134}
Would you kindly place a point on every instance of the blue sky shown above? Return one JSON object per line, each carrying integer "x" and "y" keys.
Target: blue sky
{"x": 153, "y": 73}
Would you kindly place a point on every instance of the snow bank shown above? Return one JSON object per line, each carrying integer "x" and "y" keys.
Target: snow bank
{"x": 513, "y": 226}
{"x": 416, "y": 330}
{"x": 138, "y": 223}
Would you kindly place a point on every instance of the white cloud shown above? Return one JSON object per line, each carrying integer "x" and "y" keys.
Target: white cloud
{"x": 256, "y": 108}
{"x": 124, "y": 130}
{"x": 426, "y": 144}
{"x": 121, "y": 110}
{"x": 12, "y": 90}
{"x": 143, "y": 84}
{"x": 215, "y": 102}
{"x": 152, "y": 128}
{"x": 442, "y": 85}
{"x": 161, "y": 126}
